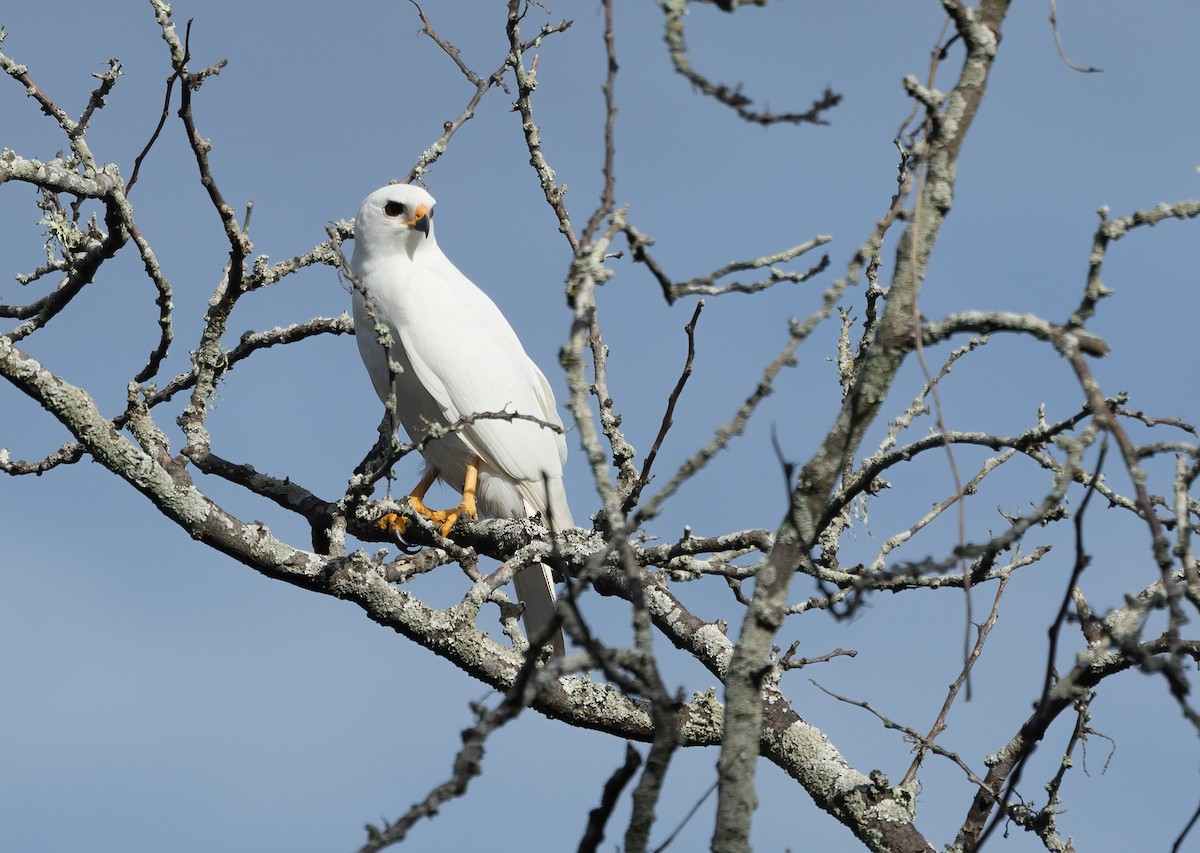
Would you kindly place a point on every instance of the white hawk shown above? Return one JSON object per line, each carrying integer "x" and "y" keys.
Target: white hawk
{"x": 454, "y": 355}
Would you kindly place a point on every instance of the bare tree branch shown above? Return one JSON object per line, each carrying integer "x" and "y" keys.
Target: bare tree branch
{"x": 598, "y": 817}
{"x": 674, "y": 10}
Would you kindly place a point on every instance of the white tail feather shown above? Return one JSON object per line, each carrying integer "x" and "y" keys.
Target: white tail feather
{"x": 535, "y": 588}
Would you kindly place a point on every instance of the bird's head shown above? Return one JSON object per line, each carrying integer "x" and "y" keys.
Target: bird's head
{"x": 399, "y": 216}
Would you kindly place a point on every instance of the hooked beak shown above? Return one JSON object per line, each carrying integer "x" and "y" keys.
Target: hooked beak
{"x": 420, "y": 220}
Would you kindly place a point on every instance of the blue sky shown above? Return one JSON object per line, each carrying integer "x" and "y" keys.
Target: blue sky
{"x": 159, "y": 696}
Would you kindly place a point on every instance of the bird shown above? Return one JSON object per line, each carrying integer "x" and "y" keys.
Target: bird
{"x": 424, "y": 329}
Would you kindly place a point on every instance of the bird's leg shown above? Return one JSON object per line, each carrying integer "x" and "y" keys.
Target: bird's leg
{"x": 445, "y": 517}
{"x": 416, "y": 496}
{"x": 397, "y": 524}
{"x": 467, "y": 505}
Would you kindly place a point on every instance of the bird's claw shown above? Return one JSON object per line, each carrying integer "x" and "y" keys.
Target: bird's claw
{"x": 444, "y": 518}
{"x": 393, "y": 524}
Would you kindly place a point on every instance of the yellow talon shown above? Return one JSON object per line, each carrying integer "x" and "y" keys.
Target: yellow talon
{"x": 446, "y": 518}
{"x": 392, "y": 523}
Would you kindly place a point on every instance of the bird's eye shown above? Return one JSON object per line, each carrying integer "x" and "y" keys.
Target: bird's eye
{"x": 393, "y": 209}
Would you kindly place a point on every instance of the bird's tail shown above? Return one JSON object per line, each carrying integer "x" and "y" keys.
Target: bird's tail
{"x": 535, "y": 584}
{"x": 535, "y": 587}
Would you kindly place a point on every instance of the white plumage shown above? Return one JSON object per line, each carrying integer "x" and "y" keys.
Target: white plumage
{"x": 455, "y": 355}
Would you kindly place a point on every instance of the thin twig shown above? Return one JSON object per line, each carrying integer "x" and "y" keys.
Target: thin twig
{"x": 789, "y": 660}
{"x": 598, "y": 817}
{"x": 708, "y": 285}
{"x": 911, "y": 733}
{"x": 467, "y": 764}
{"x": 605, "y": 207}
{"x": 691, "y": 813}
{"x": 939, "y": 725}
{"x": 644, "y": 479}
{"x": 526, "y": 83}
{"x": 1062, "y": 54}
{"x": 674, "y": 11}
{"x": 915, "y": 235}
{"x": 482, "y": 85}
